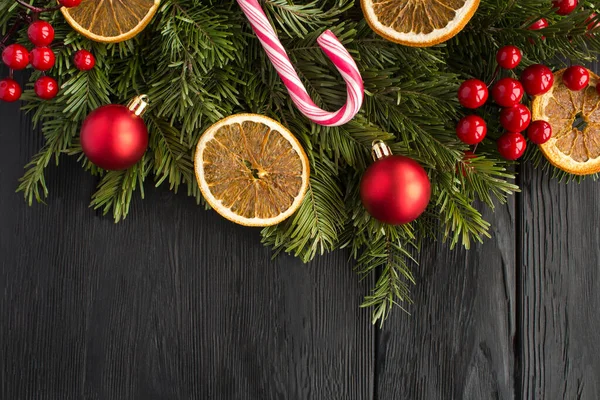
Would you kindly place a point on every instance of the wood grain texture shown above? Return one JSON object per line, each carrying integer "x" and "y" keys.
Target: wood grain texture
{"x": 458, "y": 342}
{"x": 560, "y": 274}
{"x": 173, "y": 303}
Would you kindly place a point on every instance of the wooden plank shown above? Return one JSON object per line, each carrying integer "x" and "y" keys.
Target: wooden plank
{"x": 560, "y": 288}
{"x": 173, "y": 303}
{"x": 458, "y": 342}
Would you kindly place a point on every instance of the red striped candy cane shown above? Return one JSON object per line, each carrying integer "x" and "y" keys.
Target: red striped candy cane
{"x": 332, "y": 47}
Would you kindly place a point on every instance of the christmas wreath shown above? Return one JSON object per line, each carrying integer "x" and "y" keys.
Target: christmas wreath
{"x": 229, "y": 121}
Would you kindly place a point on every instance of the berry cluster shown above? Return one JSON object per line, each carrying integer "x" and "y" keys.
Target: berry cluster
{"x": 508, "y": 93}
{"x": 16, "y": 57}
{"x": 563, "y": 7}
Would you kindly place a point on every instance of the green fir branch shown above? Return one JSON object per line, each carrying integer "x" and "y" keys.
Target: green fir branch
{"x": 199, "y": 62}
{"x": 115, "y": 190}
{"x": 314, "y": 229}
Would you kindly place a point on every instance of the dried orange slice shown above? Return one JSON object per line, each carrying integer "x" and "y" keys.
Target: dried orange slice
{"x": 575, "y": 119}
{"x": 418, "y": 23}
{"x": 251, "y": 170}
{"x": 110, "y": 21}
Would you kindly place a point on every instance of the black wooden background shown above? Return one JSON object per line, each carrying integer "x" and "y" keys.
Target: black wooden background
{"x": 178, "y": 303}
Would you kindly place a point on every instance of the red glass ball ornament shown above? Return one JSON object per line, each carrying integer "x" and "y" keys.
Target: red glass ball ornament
{"x": 471, "y": 129}
{"x": 511, "y": 145}
{"x": 576, "y": 77}
{"x": 42, "y": 58}
{"x": 46, "y": 88}
{"x": 15, "y": 56}
{"x": 564, "y": 7}
{"x": 537, "y": 79}
{"x": 539, "y": 132}
{"x": 395, "y": 189}
{"x": 113, "y": 137}
{"x": 69, "y": 3}
{"x": 10, "y": 90}
{"x": 472, "y": 93}
{"x": 507, "y": 92}
{"x": 515, "y": 118}
{"x": 508, "y": 57}
{"x": 84, "y": 60}
{"x": 40, "y": 33}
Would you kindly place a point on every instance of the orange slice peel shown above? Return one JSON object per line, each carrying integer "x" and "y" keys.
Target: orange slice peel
{"x": 575, "y": 118}
{"x": 418, "y": 23}
{"x": 251, "y": 170}
{"x": 110, "y": 21}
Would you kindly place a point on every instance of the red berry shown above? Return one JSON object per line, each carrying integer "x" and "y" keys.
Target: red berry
{"x": 463, "y": 165}
{"x": 515, "y": 118}
{"x": 473, "y": 93}
{"x": 46, "y": 88}
{"x": 84, "y": 60}
{"x": 511, "y": 145}
{"x": 592, "y": 22}
{"x": 564, "y": 7}
{"x": 42, "y": 58}
{"x": 40, "y": 33}
{"x": 537, "y": 79}
{"x": 471, "y": 129}
{"x": 69, "y": 3}
{"x": 509, "y": 57}
{"x": 536, "y": 26}
{"x": 9, "y": 90}
{"x": 507, "y": 92}
{"x": 576, "y": 77}
{"x": 539, "y": 24}
{"x": 15, "y": 56}
{"x": 469, "y": 155}
{"x": 539, "y": 132}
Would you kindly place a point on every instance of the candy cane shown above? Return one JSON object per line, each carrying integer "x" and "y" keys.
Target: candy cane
{"x": 334, "y": 50}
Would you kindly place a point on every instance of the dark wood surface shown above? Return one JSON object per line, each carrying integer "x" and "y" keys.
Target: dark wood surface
{"x": 178, "y": 303}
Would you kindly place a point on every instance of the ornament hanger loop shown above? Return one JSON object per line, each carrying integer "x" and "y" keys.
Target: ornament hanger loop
{"x": 139, "y": 104}
{"x": 380, "y": 150}
{"x": 334, "y": 50}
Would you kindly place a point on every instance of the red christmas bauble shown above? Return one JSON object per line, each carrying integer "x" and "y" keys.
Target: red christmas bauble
{"x": 537, "y": 79}
{"x": 40, "y": 33}
{"x": 576, "y": 77}
{"x": 507, "y": 92}
{"x": 472, "y": 93}
{"x": 515, "y": 118}
{"x": 42, "y": 58}
{"x": 395, "y": 189}
{"x": 113, "y": 137}
{"x": 539, "y": 132}
{"x": 564, "y": 7}
{"x": 511, "y": 145}
{"x": 471, "y": 129}
{"x": 508, "y": 57}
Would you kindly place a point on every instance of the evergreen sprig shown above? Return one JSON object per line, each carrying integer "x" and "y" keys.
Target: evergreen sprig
{"x": 199, "y": 61}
